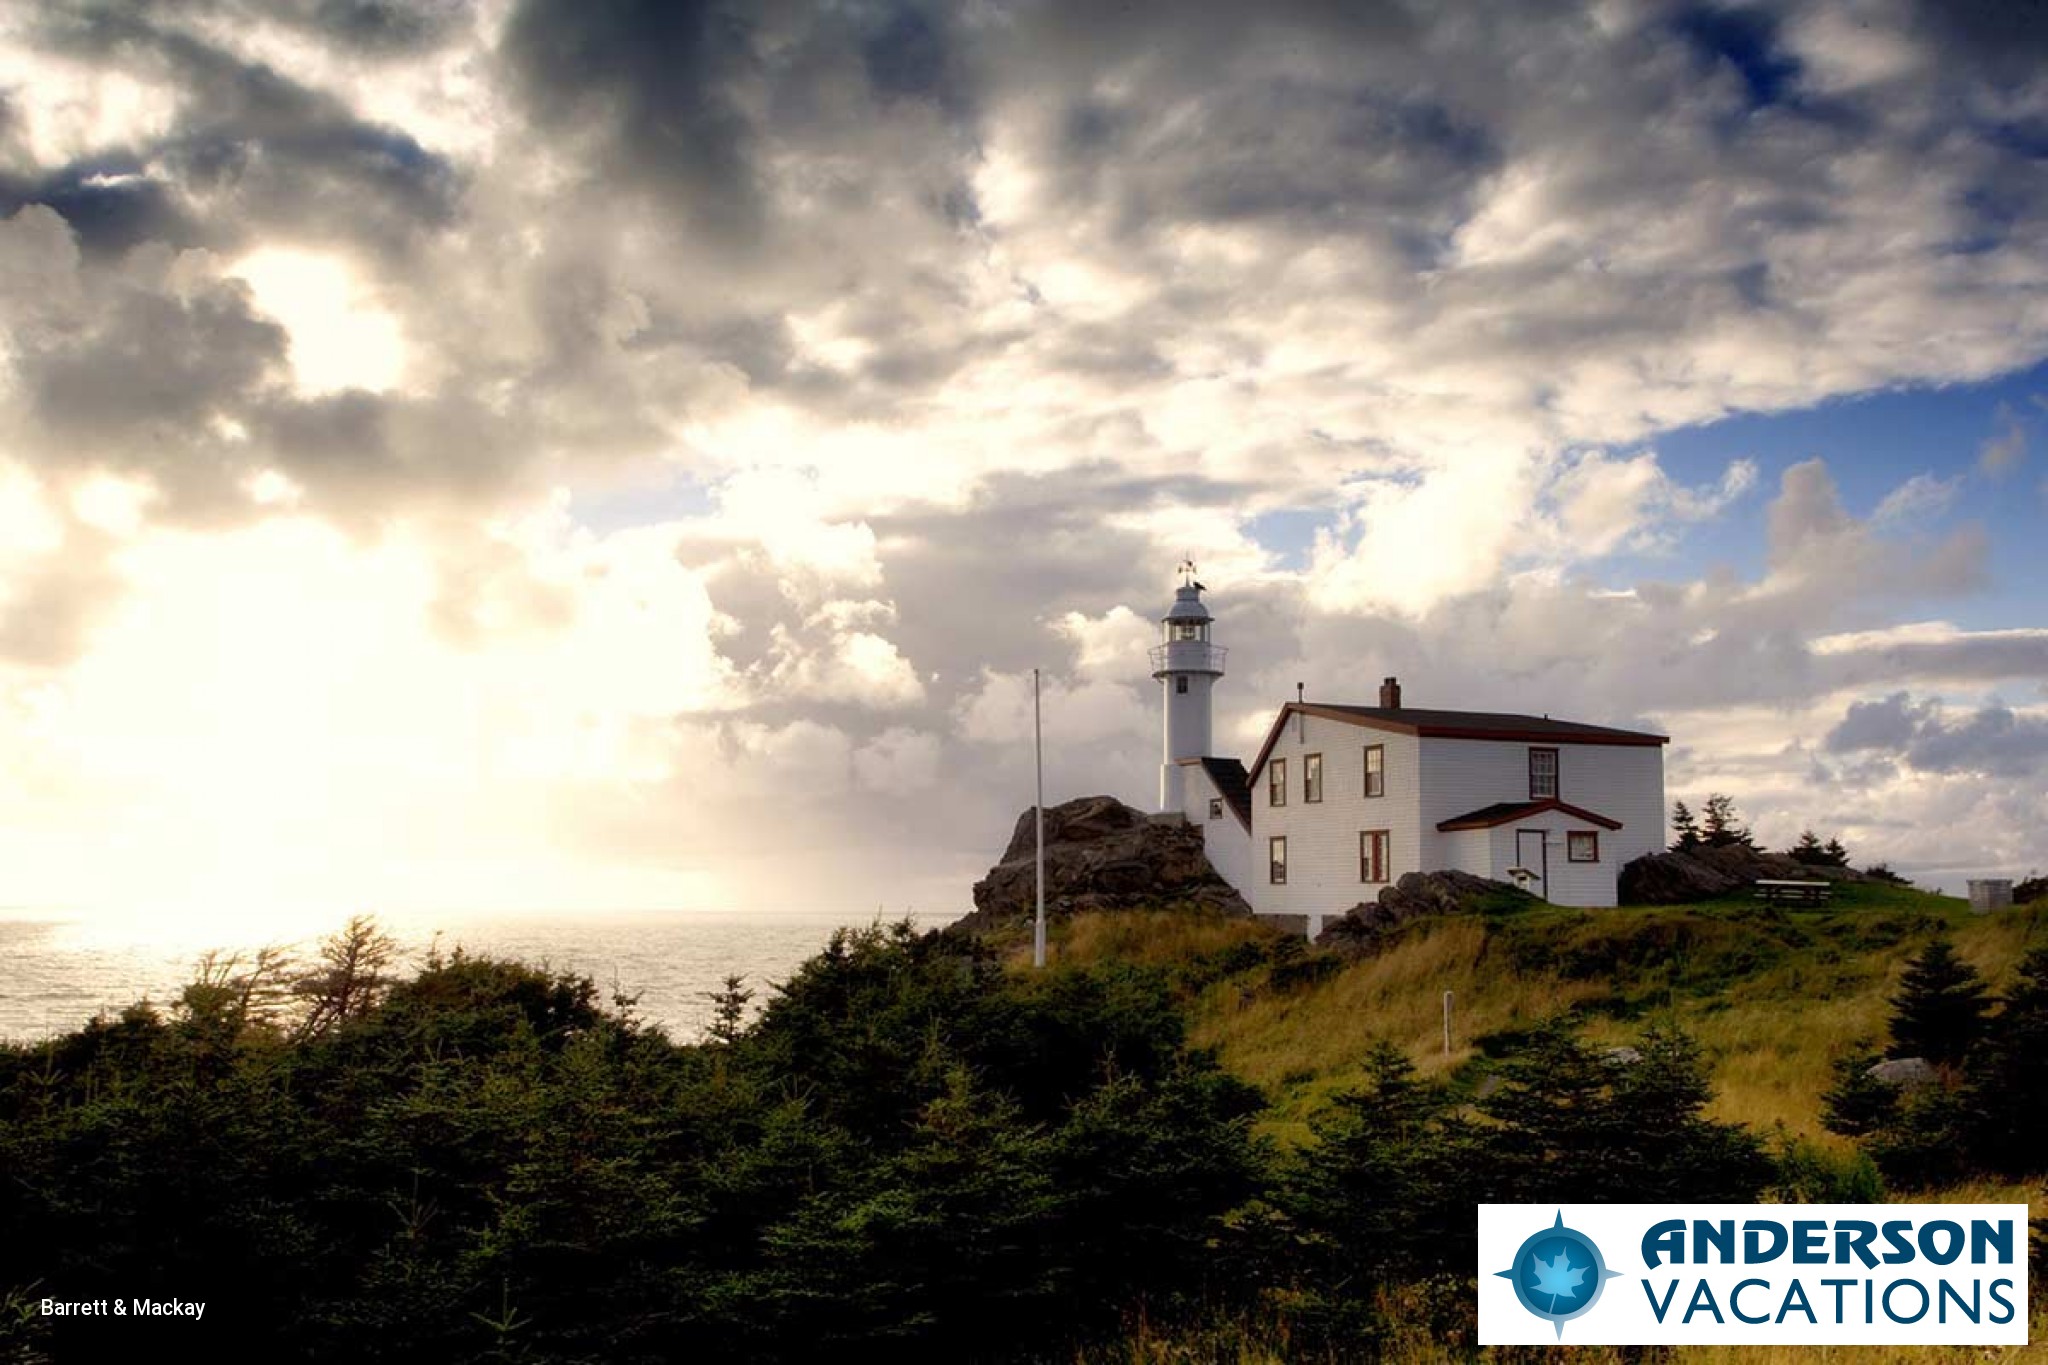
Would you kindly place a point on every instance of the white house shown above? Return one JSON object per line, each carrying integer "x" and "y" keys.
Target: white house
{"x": 1342, "y": 799}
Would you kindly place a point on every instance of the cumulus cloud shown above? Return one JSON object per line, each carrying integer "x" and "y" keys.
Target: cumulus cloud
{"x": 1992, "y": 739}
{"x": 901, "y": 350}
{"x": 2006, "y": 446}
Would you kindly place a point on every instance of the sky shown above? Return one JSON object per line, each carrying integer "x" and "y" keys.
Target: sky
{"x": 576, "y": 454}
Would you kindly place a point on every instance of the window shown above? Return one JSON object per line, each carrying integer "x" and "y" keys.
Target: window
{"x": 1542, "y": 774}
{"x": 1372, "y": 855}
{"x": 1187, "y": 630}
{"x": 1375, "y": 770}
{"x": 1215, "y": 808}
{"x": 1276, "y": 782}
{"x": 1582, "y": 846}
{"x": 1180, "y": 683}
{"x": 1311, "y": 777}
{"x": 1276, "y": 861}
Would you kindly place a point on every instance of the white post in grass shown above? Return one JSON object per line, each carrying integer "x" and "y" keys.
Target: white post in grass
{"x": 1038, "y": 763}
{"x": 1447, "y": 1023}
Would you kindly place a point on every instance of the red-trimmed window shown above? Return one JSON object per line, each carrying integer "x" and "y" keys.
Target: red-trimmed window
{"x": 1582, "y": 846}
{"x": 1375, "y": 770}
{"x": 1311, "y": 778}
{"x": 1276, "y": 860}
{"x": 1542, "y": 774}
{"x": 1276, "y": 782}
{"x": 1372, "y": 855}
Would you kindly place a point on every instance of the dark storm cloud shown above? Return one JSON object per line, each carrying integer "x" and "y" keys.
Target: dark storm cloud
{"x": 2008, "y": 39}
{"x": 909, "y": 55}
{"x": 363, "y": 458}
{"x": 1746, "y": 39}
{"x": 1987, "y": 658}
{"x": 384, "y": 27}
{"x": 151, "y": 371}
{"x": 111, "y": 202}
{"x": 1887, "y": 724}
{"x": 1991, "y": 739}
{"x": 257, "y": 149}
{"x": 650, "y": 83}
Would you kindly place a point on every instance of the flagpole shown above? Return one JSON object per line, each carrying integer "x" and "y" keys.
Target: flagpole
{"x": 1038, "y": 763}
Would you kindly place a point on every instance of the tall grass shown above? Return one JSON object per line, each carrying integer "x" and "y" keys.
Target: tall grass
{"x": 1773, "y": 996}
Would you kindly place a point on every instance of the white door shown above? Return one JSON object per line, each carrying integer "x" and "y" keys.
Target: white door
{"x": 1532, "y": 853}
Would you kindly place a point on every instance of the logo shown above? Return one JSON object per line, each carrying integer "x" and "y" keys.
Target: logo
{"x": 1766, "y": 1275}
{"x": 1558, "y": 1274}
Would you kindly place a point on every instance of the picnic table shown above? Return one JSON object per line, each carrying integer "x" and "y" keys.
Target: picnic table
{"x": 1779, "y": 892}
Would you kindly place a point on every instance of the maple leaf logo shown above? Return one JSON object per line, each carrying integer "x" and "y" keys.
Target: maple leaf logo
{"x": 1553, "y": 1288}
{"x": 1557, "y": 1278}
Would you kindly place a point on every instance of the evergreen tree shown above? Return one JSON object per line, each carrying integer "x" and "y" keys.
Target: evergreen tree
{"x": 1383, "y": 1190}
{"x": 1836, "y": 854}
{"x": 2009, "y": 1087}
{"x": 1858, "y": 1104}
{"x": 1809, "y": 849}
{"x": 350, "y": 979}
{"x": 729, "y": 1009}
{"x": 1939, "y": 1010}
{"x": 1578, "y": 1123}
{"x": 1721, "y": 826}
{"x": 1685, "y": 826}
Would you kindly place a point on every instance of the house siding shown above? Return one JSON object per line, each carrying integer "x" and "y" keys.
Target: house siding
{"x": 1621, "y": 782}
{"x": 1227, "y": 842}
{"x": 1322, "y": 839}
{"x": 1429, "y": 780}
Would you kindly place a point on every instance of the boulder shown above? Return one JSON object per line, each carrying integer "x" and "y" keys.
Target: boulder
{"x": 1905, "y": 1073}
{"x": 1417, "y": 894}
{"x": 1673, "y": 879}
{"x": 1707, "y": 871}
{"x": 1084, "y": 820}
{"x": 1101, "y": 854}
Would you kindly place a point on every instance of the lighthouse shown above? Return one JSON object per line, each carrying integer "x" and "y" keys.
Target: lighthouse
{"x": 1187, "y": 664}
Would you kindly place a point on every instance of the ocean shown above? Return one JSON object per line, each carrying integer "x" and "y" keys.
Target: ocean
{"x": 57, "y": 971}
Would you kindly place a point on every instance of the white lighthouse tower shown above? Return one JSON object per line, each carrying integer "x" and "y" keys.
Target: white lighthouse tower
{"x": 1187, "y": 665}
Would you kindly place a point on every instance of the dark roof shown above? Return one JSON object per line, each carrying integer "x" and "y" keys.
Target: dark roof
{"x": 1499, "y": 725}
{"x": 1232, "y": 785}
{"x": 1504, "y": 812}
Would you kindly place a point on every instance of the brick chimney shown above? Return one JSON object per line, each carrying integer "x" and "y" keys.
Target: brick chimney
{"x": 1390, "y": 695}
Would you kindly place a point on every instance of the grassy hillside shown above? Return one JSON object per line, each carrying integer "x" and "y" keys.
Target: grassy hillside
{"x": 1774, "y": 995}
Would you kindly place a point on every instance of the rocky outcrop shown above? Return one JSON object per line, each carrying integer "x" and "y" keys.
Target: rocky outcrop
{"x": 1707, "y": 871}
{"x": 1101, "y": 854}
{"x": 1905, "y": 1073}
{"x": 1415, "y": 895}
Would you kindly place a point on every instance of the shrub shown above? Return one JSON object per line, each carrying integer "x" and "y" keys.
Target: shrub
{"x": 1939, "y": 1010}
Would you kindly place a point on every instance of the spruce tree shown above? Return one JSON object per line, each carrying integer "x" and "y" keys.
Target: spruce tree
{"x": 1685, "y": 826}
{"x": 728, "y": 1010}
{"x": 1939, "y": 1010}
{"x": 2009, "y": 1085}
{"x": 1836, "y": 854}
{"x": 1809, "y": 849}
{"x": 1721, "y": 826}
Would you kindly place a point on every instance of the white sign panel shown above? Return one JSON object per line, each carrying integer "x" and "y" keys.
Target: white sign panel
{"x": 1776, "y": 1274}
